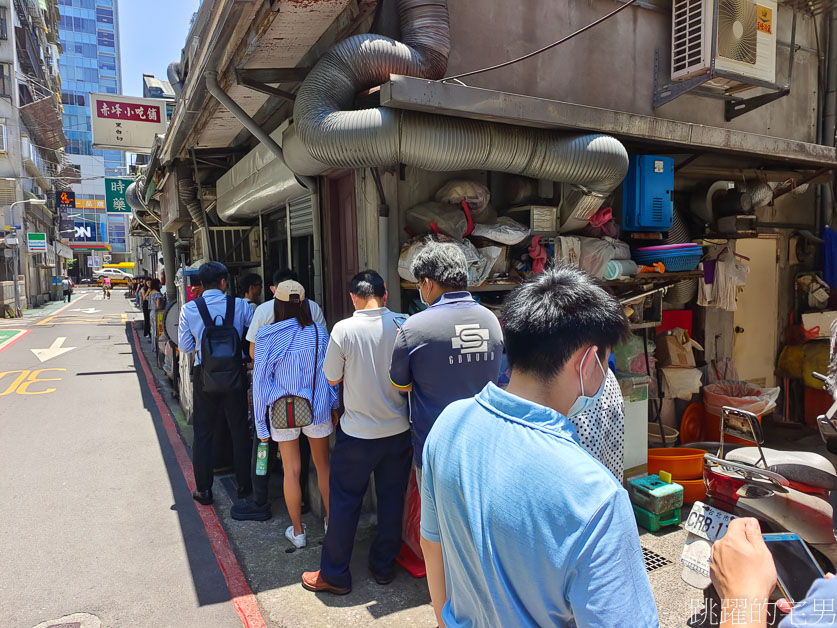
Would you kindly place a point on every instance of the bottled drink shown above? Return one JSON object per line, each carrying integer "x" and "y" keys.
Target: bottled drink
{"x": 261, "y": 459}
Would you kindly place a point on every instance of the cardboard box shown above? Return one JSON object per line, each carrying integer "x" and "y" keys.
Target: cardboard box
{"x": 823, "y": 320}
{"x": 676, "y": 349}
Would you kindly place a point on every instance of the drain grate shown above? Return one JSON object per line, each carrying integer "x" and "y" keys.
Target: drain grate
{"x": 653, "y": 560}
{"x": 98, "y": 337}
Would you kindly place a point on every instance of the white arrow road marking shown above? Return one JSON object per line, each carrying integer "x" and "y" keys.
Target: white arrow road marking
{"x": 88, "y": 310}
{"x": 53, "y": 351}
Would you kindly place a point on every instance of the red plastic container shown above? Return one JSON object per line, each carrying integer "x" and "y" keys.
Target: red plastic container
{"x": 676, "y": 318}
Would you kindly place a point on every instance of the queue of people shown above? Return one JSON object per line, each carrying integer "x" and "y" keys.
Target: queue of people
{"x": 542, "y": 456}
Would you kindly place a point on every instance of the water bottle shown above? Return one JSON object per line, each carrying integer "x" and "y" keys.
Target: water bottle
{"x": 261, "y": 459}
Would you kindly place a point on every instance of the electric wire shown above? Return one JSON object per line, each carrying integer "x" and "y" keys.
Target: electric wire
{"x": 545, "y": 48}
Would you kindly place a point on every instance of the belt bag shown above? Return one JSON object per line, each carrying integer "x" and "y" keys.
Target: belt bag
{"x": 292, "y": 411}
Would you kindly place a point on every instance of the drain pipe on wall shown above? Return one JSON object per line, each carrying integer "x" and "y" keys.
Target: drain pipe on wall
{"x": 248, "y": 123}
{"x": 383, "y": 223}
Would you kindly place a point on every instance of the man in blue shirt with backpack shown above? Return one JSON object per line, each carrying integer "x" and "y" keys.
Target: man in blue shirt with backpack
{"x": 212, "y": 326}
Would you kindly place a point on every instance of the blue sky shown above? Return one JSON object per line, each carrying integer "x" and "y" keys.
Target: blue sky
{"x": 152, "y": 33}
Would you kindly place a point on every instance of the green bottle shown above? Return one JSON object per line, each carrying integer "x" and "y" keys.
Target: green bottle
{"x": 261, "y": 459}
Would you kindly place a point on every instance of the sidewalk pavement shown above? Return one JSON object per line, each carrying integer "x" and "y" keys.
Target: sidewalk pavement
{"x": 274, "y": 569}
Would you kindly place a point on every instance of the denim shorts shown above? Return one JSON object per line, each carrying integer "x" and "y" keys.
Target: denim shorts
{"x": 321, "y": 430}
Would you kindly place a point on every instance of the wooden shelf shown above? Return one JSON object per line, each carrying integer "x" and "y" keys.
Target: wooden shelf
{"x": 646, "y": 278}
{"x": 486, "y": 287}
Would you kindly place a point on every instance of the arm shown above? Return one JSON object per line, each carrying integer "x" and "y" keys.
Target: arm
{"x": 260, "y": 386}
{"x": 400, "y": 375}
{"x": 435, "y": 576}
{"x": 334, "y": 363}
{"x": 743, "y": 571}
{"x": 185, "y": 339}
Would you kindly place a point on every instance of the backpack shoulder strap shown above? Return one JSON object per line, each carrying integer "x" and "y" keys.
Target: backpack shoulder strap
{"x": 229, "y": 316}
{"x": 200, "y": 302}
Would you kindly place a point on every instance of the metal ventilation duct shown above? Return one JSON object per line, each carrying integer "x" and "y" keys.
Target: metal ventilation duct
{"x": 327, "y": 133}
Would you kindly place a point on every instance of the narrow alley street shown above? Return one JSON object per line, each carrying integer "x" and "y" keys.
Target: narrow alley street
{"x": 93, "y": 486}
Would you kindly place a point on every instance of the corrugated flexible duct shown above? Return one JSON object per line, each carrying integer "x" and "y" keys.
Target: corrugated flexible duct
{"x": 335, "y": 136}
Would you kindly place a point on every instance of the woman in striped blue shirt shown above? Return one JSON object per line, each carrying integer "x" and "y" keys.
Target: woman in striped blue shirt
{"x": 287, "y": 355}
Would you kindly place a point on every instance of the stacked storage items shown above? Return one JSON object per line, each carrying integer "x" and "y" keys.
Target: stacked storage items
{"x": 656, "y": 501}
{"x": 675, "y": 257}
{"x": 684, "y": 465}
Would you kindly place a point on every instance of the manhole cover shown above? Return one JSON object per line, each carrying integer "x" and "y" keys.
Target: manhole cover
{"x": 98, "y": 337}
{"x": 76, "y": 620}
{"x": 653, "y": 560}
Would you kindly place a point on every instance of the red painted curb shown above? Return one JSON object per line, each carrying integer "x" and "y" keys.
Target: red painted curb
{"x": 242, "y": 596}
{"x": 8, "y": 343}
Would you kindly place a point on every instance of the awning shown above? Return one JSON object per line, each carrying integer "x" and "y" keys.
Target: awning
{"x": 89, "y": 246}
{"x": 62, "y": 250}
{"x": 43, "y": 120}
{"x": 403, "y": 92}
{"x": 35, "y": 173}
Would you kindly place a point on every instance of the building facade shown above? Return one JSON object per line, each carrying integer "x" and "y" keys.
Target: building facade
{"x": 89, "y": 34}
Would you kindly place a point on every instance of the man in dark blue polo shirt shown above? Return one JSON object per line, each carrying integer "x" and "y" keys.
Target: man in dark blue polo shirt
{"x": 449, "y": 351}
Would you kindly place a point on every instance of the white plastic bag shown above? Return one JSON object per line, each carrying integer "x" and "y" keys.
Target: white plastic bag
{"x": 504, "y": 231}
{"x": 457, "y": 190}
{"x": 479, "y": 265}
{"x": 597, "y": 252}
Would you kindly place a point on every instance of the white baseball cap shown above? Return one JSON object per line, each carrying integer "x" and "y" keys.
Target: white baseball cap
{"x": 288, "y": 289}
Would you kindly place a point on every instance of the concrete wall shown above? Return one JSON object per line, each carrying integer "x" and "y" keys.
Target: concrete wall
{"x": 612, "y": 65}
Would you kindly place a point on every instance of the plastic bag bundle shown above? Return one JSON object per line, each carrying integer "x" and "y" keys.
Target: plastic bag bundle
{"x": 597, "y": 252}
{"x": 741, "y": 395}
{"x": 442, "y": 218}
{"x": 458, "y": 190}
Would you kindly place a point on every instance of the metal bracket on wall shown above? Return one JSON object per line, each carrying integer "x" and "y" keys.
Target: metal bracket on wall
{"x": 243, "y": 79}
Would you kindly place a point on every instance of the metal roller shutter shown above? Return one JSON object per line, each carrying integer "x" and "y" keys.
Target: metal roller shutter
{"x": 302, "y": 216}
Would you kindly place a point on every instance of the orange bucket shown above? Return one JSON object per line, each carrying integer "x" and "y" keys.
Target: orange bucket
{"x": 693, "y": 490}
{"x": 684, "y": 463}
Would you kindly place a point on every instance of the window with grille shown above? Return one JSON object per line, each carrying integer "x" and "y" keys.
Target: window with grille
{"x": 3, "y": 32}
{"x": 5, "y": 81}
{"x": 3, "y": 141}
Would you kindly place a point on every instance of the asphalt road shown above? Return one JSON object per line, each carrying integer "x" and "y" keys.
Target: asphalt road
{"x": 96, "y": 516}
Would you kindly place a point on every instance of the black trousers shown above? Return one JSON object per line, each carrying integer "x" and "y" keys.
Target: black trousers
{"x": 352, "y": 462}
{"x": 146, "y": 319}
{"x": 210, "y": 409}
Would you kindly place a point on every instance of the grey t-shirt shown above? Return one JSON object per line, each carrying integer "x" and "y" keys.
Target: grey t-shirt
{"x": 359, "y": 353}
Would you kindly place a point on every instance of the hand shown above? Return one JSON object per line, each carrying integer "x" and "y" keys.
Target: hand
{"x": 264, "y": 440}
{"x": 335, "y": 418}
{"x": 742, "y": 567}
{"x": 784, "y": 605}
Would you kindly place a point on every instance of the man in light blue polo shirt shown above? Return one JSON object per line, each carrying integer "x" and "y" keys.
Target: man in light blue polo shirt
{"x": 210, "y": 409}
{"x": 448, "y": 351}
{"x": 520, "y": 525}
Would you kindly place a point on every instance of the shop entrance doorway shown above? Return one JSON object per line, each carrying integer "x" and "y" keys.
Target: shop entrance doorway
{"x": 341, "y": 246}
{"x": 754, "y": 348}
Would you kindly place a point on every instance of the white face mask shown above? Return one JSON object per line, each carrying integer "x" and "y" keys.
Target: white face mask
{"x": 584, "y": 403}
{"x": 421, "y": 295}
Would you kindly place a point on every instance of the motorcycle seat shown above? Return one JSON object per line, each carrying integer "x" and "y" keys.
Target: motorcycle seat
{"x": 801, "y": 467}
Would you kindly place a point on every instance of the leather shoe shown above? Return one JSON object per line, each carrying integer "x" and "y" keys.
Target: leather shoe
{"x": 313, "y": 581}
{"x": 202, "y": 497}
{"x": 380, "y": 577}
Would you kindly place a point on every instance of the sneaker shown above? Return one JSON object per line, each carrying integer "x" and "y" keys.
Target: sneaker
{"x": 250, "y": 511}
{"x": 299, "y": 540}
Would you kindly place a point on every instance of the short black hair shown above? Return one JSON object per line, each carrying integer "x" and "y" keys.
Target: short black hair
{"x": 553, "y": 315}
{"x": 284, "y": 274}
{"x": 211, "y": 274}
{"x": 249, "y": 280}
{"x": 443, "y": 262}
{"x": 367, "y": 284}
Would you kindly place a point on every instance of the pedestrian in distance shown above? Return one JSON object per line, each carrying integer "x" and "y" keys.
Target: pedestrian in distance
{"x": 264, "y": 315}
{"x": 65, "y": 288}
{"x": 212, "y": 326}
{"x": 373, "y": 438}
{"x": 288, "y": 365}
{"x": 146, "y": 311}
{"x": 251, "y": 288}
{"x": 450, "y": 350}
{"x": 106, "y": 285}
{"x": 520, "y": 525}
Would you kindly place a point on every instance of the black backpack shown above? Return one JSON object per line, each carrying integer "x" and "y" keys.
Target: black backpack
{"x": 221, "y": 361}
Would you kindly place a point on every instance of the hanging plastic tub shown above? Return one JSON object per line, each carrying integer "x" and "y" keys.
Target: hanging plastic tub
{"x": 740, "y": 395}
{"x": 673, "y": 260}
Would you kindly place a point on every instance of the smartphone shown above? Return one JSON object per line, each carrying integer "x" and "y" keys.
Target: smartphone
{"x": 795, "y": 565}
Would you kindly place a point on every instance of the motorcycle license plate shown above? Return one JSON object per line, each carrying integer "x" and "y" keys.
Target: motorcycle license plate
{"x": 707, "y": 522}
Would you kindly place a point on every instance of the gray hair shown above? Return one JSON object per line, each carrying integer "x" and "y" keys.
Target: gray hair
{"x": 442, "y": 262}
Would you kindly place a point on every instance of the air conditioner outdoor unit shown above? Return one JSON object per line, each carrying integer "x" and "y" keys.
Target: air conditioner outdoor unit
{"x": 745, "y": 41}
